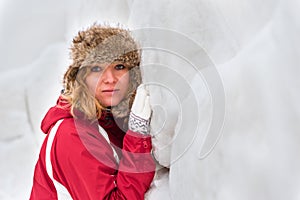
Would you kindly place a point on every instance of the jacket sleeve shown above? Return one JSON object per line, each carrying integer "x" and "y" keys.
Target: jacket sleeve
{"x": 86, "y": 166}
{"x": 136, "y": 169}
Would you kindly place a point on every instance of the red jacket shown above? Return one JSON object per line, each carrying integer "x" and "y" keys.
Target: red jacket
{"x": 83, "y": 161}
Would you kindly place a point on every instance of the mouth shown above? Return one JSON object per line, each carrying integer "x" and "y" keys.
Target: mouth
{"x": 110, "y": 90}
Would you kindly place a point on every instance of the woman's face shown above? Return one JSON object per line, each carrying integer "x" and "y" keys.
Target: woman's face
{"x": 108, "y": 82}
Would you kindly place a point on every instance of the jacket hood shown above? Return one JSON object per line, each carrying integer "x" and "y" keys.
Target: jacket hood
{"x": 60, "y": 111}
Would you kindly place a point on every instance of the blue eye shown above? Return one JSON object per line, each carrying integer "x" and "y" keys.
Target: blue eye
{"x": 96, "y": 69}
{"x": 119, "y": 67}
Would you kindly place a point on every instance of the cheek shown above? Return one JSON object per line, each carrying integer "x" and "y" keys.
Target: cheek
{"x": 124, "y": 82}
{"x": 92, "y": 82}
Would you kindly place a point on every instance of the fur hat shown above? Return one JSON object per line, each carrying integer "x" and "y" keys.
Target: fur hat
{"x": 103, "y": 44}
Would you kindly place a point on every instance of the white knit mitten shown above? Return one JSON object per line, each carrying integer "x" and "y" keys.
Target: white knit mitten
{"x": 139, "y": 118}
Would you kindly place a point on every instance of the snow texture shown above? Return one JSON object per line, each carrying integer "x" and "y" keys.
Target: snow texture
{"x": 223, "y": 82}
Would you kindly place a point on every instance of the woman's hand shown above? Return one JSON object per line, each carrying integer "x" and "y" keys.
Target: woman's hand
{"x": 139, "y": 118}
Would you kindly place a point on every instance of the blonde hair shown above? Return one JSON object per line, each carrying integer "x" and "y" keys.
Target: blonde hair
{"x": 81, "y": 98}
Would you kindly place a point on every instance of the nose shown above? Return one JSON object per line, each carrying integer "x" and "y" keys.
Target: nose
{"x": 108, "y": 76}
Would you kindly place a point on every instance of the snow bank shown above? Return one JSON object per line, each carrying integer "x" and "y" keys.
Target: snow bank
{"x": 202, "y": 61}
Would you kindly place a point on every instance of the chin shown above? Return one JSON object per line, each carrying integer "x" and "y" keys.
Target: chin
{"x": 111, "y": 103}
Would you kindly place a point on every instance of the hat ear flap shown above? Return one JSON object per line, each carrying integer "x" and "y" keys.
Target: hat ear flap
{"x": 135, "y": 81}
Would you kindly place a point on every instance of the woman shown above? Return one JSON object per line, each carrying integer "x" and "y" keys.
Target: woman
{"x": 86, "y": 154}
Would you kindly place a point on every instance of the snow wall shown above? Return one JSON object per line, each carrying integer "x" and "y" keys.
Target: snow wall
{"x": 223, "y": 80}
